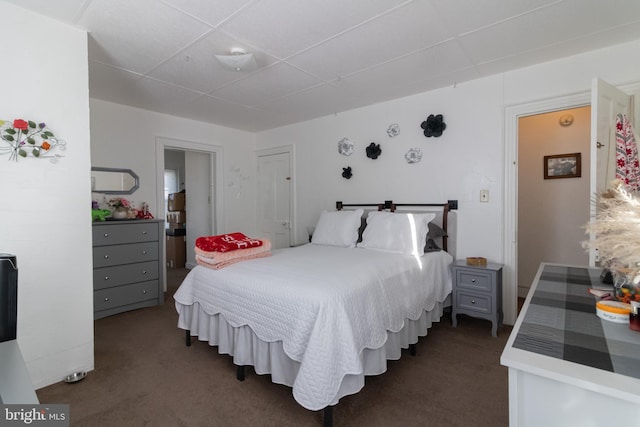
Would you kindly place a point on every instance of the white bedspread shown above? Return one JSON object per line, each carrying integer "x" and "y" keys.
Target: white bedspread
{"x": 326, "y": 304}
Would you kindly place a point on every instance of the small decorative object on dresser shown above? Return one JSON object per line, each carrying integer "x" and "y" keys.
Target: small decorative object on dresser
{"x": 127, "y": 272}
{"x": 477, "y": 292}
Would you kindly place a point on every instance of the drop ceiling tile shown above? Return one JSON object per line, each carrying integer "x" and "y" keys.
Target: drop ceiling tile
{"x": 321, "y": 100}
{"x": 286, "y": 27}
{"x": 481, "y": 13}
{"x": 544, "y": 27}
{"x": 371, "y": 88}
{"x": 212, "y": 12}
{"x": 427, "y": 63}
{"x": 215, "y": 110}
{"x": 197, "y": 68}
{"x": 123, "y": 87}
{"x": 405, "y": 30}
{"x": 62, "y": 10}
{"x": 561, "y": 50}
{"x": 272, "y": 82}
{"x": 450, "y": 79}
{"x": 126, "y": 41}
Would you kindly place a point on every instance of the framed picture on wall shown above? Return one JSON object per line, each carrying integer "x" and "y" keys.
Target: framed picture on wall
{"x": 562, "y": 166}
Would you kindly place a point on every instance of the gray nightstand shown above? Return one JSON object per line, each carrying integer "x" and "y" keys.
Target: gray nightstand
{"x": 477, "y": 292}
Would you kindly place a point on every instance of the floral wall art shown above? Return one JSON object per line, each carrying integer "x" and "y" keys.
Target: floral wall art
{"x": 25, "y": 138}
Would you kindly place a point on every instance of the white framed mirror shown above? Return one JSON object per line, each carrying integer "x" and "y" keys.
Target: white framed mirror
{"x": 113, "y": 180}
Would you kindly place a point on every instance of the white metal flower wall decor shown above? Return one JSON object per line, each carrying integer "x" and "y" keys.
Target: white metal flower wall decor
{"x": 393, "y": 130}
{"x": 414, "y": 155}
{"x": 345, "y": 147}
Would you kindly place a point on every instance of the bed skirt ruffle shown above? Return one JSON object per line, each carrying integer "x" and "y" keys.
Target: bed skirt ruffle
{"x": 270, "y": 358}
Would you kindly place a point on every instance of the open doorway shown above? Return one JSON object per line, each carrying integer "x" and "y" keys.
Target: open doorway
{"x": 552, "y": 209}
{"x": 512, "y": 115}
{"x": 194, "y": 169}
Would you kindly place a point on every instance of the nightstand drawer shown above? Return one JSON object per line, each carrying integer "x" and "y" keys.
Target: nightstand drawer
{"x": 475, "y": 280}
{"x": 473, "y": 302}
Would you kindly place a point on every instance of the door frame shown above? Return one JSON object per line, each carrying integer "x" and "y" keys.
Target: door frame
{"x": 293, "y": 212}
{"x": 216, "y": 155}
{"x": 512, "y": 113}
{"x": 510, "y": 228}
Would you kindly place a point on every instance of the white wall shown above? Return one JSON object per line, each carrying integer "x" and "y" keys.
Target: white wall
{"x": 132, "y": 144}
{"x": 457, "y": 165}
{"x": 551, "y": 212}
{"x": 467, "y": 158}
{"x": 45, "y": 211}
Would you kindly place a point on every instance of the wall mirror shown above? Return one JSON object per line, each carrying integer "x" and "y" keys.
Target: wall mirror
{"x": 113, "y": 181}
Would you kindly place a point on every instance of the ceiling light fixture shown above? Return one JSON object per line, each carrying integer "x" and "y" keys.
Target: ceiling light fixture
{"x": 237, "y": 60}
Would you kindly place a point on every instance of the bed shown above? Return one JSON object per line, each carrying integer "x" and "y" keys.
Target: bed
{"x": 321, "y": 316}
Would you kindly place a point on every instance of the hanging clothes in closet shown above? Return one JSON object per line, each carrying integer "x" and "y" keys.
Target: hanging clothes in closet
{"x": 627, "y": 163}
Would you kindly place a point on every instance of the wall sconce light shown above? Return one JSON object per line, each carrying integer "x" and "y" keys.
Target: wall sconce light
{"x": 566, "y": 120}
{"x": 238, "y": 60}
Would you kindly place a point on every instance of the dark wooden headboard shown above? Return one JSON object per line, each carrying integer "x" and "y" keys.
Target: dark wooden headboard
{"x": 392, "y": 207}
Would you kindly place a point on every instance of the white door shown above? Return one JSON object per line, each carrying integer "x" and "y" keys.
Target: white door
{"x": 606, "y": 103}
{"x": 274, "y": 198}
{"x": 199, "y": 188}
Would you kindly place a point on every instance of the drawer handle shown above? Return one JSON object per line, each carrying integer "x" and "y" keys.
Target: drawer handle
{"x": 473, "y": 301}
{"x": 144, "y": 232}
{"x": 144, "y": 271}
{"x": 107, "y": 299}
{"x": 144, "y": 252}
{"x": 473, "y": 280}
{"x": 106, "y": 257}
{"x": 106, "y": 234}
{"x": 106, "y": 277}
{"x": 144, "y": 292}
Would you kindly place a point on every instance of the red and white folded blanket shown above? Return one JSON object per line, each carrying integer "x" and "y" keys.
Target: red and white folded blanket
{"x": 213, "y": 256}
{"x": 218, "y": 260}
{"x": 226, "y": 242}
{"x": 207, "y": 262}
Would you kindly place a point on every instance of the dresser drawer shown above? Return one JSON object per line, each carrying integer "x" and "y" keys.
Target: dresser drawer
{"x": 105, "y": 299}
{"x": 115, "y": 234}
{"x": 476, "y": 280}
{"x": 106, "y": 256}
{"x": 123, "y": 274}
{"x": 468, "y": 301}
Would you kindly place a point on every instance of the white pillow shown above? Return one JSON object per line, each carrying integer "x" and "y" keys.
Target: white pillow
{"x": 404, "y": 233}
{"x": 338, "y": 228}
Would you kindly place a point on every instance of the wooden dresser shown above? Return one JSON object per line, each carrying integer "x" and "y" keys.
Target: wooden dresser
{"x": 127, "y": 267}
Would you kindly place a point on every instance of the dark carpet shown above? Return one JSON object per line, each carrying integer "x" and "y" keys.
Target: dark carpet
{"x": 145, "y": 376}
